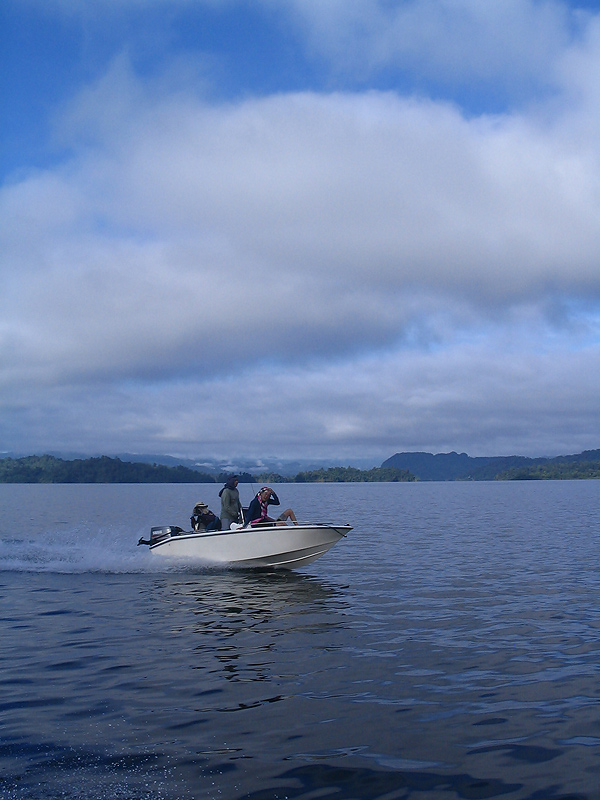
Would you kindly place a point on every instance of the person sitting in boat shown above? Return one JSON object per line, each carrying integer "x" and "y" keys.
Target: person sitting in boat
{"x": 203, "y": 519}
{"x": 257, "y": 513}
{"x": 231, "y": 508}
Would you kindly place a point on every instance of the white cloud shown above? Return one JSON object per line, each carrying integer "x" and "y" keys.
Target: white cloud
{"x": 513, "y": 44}
{"x": 343, "y": 271}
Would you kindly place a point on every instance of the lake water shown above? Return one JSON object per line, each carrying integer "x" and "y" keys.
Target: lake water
{"x": 448, "y": 648}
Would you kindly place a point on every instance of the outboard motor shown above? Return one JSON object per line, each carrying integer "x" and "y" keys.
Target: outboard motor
{"x": 158, "y": 533}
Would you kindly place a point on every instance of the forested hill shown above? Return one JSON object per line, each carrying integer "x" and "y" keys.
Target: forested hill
{"x": 342, "y": 475}
{"x": 48, "y": 469}
{"x": 400, "y": 467}
{"x": 461, "y": 467}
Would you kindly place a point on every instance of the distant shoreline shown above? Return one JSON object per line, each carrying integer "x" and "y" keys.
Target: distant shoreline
{"x": 103, "y": 469}
{"x": 400, "y": 468}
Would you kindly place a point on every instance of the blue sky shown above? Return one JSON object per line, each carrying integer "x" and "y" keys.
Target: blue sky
{"x": 300, "y": 229}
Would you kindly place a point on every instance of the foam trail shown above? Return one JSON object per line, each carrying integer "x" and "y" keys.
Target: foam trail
{"x": 82, "y": 549}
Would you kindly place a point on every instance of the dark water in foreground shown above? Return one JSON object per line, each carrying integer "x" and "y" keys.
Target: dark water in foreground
{"x": 449, "y": 648}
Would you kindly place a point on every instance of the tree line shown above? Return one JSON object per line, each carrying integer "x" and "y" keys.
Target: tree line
{"x": 341, "y": 475}
{"x": 103, "y": 469}
{"x": 49, "y": 469}
{"x": 583, "y": 470}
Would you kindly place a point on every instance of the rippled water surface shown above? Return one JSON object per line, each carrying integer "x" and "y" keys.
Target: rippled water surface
{"x": 448, "y": 648}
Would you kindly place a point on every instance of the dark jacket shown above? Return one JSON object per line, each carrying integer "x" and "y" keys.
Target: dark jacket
{"x": 207, "y": 521}
{"x": 253, "y": 510}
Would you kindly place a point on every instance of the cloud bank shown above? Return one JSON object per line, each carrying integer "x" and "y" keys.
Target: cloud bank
{"x": 329, "y": 273}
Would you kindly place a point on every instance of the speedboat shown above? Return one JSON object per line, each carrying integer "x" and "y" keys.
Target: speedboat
{"x": 277, "y": 546}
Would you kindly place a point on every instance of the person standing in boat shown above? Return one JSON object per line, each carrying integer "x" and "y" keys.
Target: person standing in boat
{"x": 231, "y": 508}
{"x": 257, "y": 513}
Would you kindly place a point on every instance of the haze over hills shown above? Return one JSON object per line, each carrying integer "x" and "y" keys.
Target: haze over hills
{"x": 216, "y": 466}
{"x": 459, "y": 466}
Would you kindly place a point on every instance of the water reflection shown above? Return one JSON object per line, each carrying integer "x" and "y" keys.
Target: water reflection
{"x": 253, "y": 593}
{"x": 248, "y": 626}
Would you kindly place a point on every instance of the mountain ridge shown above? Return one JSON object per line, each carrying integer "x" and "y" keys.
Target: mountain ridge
{"x": 455, "y": 466}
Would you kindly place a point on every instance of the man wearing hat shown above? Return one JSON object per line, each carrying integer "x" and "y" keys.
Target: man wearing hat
{"x": 203, "y": 519}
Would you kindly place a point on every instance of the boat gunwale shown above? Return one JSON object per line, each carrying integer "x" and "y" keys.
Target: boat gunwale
{"x": 342, "y": 530}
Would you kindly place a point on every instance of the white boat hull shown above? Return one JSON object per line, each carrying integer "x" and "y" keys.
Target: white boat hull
{"x": 278, "y": 546}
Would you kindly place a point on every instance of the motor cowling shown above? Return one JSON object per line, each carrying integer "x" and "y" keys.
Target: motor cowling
{"x": 160, "y": 532}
